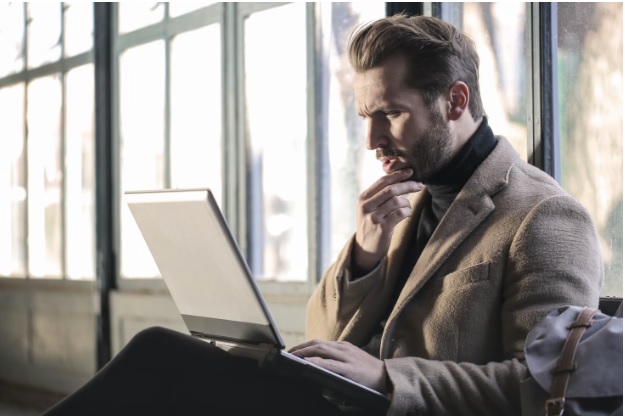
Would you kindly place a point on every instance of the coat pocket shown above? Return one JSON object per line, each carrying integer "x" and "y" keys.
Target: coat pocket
{"x": 478, "y": 273}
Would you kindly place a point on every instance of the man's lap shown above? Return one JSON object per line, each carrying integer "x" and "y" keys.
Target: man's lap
{"x": 164, "y": 372}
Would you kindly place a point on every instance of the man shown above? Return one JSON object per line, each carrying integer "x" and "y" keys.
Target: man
{"x": 432, "y": 299}
{"x": 443, "y": 288}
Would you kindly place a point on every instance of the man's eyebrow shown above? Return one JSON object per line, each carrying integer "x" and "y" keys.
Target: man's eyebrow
{"x": 365, "y": 112}
{"x": 380, "y": 110}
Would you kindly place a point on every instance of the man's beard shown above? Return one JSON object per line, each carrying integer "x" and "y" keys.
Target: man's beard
{"x": 430, "y": 152}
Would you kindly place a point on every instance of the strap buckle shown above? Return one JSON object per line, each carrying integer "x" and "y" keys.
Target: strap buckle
{"x": 554, "y": 407}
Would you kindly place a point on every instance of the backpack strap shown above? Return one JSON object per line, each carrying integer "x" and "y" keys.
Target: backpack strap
{"x": 554, "y": 406}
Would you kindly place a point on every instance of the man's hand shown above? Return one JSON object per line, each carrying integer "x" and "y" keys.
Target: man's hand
{"x": 380, "y": 208}
{"x": 346, "y": 360}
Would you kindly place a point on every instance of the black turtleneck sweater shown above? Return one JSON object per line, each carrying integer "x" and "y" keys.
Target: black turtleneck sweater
{"x": 443, "y": 189}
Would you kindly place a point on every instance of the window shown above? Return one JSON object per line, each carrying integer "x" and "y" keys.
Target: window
{"x": 170, "y": 123}
{"x": 499, "y": 32}
{"x": 590, "y": 84}
{"x": 214, "y": 94}
{"x": 47, "y": 160}
{"x": 169, "y": 89}
{"x": 275, "y": 68}
{"x": 13, "y": 183}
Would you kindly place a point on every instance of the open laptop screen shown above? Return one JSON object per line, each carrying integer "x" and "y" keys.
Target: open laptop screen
{"x": 201, "y": 265}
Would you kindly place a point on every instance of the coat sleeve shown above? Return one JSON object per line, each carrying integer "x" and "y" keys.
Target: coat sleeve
{"x": 553, "y": 260}
{"x": 342, "y": 308}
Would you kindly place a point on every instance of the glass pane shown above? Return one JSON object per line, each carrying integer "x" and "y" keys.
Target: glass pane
{"x": 45, "y": 177}
{"x": 80, "y": 173}
{"x": 176, "y": 8}
{"x": 135, "y": 15}
{"x": 275, "y": 87}
{"x": 498, "y": 30}
{"x": 196, "y": 149}
{"x": 78, "y": 27}
{"x": 44, "y": 33}
{"x": 590, "y": 70}
{"x": 352, "y": 168}
{"x": 11, "y": 37}
{"x": 12, "y": 183}
{"x": 142, "y": 133}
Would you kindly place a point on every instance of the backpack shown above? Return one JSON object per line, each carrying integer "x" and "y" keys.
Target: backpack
{"x": 575, "y": 362}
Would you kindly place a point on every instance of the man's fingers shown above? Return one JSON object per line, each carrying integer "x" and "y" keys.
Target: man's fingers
{"x": 324, "y": 349}
{"x": 386, "y": 180}
{"x": 302, "y": 345}
{"x": 337, "y": 367}
{"x": 312, "y": 342}
{"x": 389, "y": 193}
{"x": 396, "y": 203}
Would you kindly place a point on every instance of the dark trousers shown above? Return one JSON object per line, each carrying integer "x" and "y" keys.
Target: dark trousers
{"x": 163, "y": 372}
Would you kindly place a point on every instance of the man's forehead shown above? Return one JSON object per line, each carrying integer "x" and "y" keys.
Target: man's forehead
{"x": 381, "y": 87}
{"x": 392, "y": 72}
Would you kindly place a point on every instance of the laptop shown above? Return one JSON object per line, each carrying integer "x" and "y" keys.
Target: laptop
{"x": 216, "y": 294}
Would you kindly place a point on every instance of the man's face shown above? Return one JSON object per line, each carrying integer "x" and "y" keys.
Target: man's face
{"x": 403, "y": 130}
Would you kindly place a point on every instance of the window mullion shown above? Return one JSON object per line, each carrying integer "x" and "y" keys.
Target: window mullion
{"x": 543, "y": 143}
{"x": 106, "y": 176}
{"x": 320, "y": 212}
{"x": 64, "y": 148}
{"x": 229, "y": 121}
{"x": 167, "y": 180}
{"x": 235, "y": 166}
{"x": 25, "y": 132}
{"x": 317, "y": 152}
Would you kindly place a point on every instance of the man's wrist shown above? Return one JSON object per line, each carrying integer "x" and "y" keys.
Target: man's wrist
{"x": 359, "y": 271}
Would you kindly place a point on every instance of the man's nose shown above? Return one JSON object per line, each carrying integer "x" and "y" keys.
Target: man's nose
{"x": 376, "y": 135}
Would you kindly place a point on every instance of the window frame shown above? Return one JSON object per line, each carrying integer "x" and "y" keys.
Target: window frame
{"x": 25, "y": 76}
{"x": 315, "y": 197}
{"x": 164, "y": 30}
{"x": 236, "y": 157}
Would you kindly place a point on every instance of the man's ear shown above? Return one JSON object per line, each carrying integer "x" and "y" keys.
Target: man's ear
{"x": 457, "y": 100}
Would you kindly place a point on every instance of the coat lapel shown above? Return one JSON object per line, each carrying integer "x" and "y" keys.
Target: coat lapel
{"x": 472, "y": 206}
{"x": 403, "y": 234}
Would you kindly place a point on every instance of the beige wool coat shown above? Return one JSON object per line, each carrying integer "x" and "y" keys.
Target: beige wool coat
{"x": 512, "y": 247}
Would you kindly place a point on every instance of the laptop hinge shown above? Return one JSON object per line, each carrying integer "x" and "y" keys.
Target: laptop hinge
{"x": 263, "y": 353}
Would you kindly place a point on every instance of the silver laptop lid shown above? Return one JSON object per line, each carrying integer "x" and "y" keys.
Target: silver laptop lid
{"x": 202, "y": 266}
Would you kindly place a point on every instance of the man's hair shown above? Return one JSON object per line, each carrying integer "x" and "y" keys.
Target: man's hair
{"x": 437, "y": 54}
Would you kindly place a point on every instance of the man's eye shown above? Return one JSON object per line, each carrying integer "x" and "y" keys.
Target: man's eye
{"x": 391, "y": 114}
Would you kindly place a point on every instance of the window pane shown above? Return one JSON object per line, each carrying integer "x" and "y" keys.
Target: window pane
{"x": 135, "y": 15}
{"x": 45, "y": 177}
{"x": 275, "y": 86}
{"x": 79, "y": 172}
{"x": 498, "y": 30}
{"x": 12, "y": 183}
{"x": 11, "y": 37}
{"x": 590, "y": 69}
{"x": 142, "y": 132}
{"x": 44, "y": 33}
{"x": 78, "y": 27}
{"x": 196, "y": 150}
{"x": 352, "y": 168}
{"x": 176, "y": 8}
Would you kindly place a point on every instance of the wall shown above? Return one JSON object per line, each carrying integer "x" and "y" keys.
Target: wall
{"x": 47, "y": 336}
